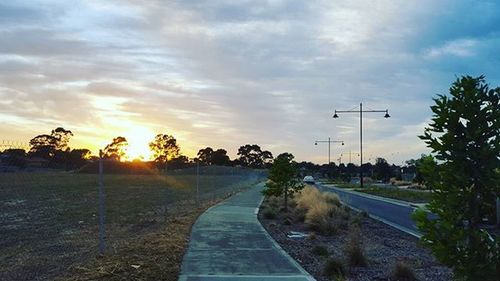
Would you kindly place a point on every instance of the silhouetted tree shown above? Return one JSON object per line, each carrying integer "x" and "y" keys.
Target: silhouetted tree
{"x": 164, "y": 147}
{"x": 205, "y": 156}
{"x": 14, "y": 157}
{"x": 220, "y": 158}
{"x": 382, "y": 170}
{"x": 179, "y": 162}
{"x": 52, "y": 147}
{"x": 116, "y": 149}
{"x": 78, "y": 158}
{"x": 253, "y": 156}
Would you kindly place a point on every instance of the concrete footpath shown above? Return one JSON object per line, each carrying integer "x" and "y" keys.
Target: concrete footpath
{"x": 228, "y": 243}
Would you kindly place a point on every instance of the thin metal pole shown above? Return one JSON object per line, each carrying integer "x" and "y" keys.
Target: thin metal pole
{"x": 361, "y": 143}
{"x": 329, "y": 142}
{"x": 197, "y": 183}
{"x": 102, "y": 243}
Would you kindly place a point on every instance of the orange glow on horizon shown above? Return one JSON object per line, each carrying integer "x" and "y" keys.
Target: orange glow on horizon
{"x": 138, "y": 139}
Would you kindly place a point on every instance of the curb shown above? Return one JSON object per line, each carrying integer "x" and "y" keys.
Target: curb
{"x": 379, "y": 198}
{"x": 390, "y": 201}
{"x": 283, "y": 252}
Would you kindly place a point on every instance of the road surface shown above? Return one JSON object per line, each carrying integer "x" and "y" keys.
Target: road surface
{"x": 394, "y": 214}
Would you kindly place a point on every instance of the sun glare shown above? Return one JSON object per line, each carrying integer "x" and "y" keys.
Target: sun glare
{"x": 138, "y": 139}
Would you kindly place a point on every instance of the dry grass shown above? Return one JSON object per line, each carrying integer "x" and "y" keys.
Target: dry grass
{"x": 155, "y": 256}
{"x": 331, "y": 198}
{"x": 307, "y": 198}
{"x": 334, "y": 269}
{"x": 318, "y": 217}
{"x": 321, "y": 211}
{"x": 403, "y": 272}
{"x": 353, "y": 250}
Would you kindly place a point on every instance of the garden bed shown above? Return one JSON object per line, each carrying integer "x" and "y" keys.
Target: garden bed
{"x": 347, "y": 240}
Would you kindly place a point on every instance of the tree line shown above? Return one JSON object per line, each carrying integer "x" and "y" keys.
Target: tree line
{"x": 53, "y": 151}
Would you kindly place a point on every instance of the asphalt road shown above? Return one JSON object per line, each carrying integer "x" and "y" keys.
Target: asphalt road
{"x": 396, "y": 215}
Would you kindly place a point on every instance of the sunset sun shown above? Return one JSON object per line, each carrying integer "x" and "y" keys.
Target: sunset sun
{"x": 138, "y": 139}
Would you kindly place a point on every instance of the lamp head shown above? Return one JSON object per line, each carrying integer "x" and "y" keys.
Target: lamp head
{"x": 387, "y": 114}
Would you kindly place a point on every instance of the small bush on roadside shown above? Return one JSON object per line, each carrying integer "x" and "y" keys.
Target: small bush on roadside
{"x": 353, "y": 250}
{"x": 320, "y": 250}
{"x": 402, "y": 272}
{"x": 334, "y": 269}
{"x": 287, "y": 221}
{"x": 307, "y": 198}
{"x": 318, "y": 217}
{"x": 331, "y": 198}
{"x": 356, "y": 221}
{"x": 269, "y": 214}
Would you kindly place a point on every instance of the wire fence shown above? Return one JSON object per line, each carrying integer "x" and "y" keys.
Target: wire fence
{"x": 50, "y": 219}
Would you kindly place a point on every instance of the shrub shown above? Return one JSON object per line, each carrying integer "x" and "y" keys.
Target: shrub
{"x": 319, "y": 250}
{"x": 331, "y": 198}
{"x": 312, "y": 236}
{"x": 307, "y": 198}
{"x": 353, "y": 250}
{"x": 318, "y": 217}
{"x": 333, "y": 268}
{"x": 269, "y": 214}
{"x": 402, "y": 272}
{"x": 287, "y": 221}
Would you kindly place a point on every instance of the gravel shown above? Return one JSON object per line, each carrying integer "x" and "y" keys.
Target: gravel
{"x": 383, "y": 246}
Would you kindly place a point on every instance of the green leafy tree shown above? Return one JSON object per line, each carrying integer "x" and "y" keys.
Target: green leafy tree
{"x": 283, "y": 178}
{"x": 426, "y": 165}
{"x": 464, "y": 137}
{"x": 164, "y": 147}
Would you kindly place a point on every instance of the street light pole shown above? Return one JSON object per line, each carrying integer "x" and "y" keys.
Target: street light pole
{"x": 329, "y": 141}
{"x": 361, "y": 111}
{"x": 350, "y": 155}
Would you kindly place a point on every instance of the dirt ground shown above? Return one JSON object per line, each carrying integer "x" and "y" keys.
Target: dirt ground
{"x": 49, "y": 221}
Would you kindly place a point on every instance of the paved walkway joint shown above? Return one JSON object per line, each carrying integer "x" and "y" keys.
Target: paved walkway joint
{"x": 228, "y": 243}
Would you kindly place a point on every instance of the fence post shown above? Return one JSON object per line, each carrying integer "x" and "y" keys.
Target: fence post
{"x": 197, "y": 183}
{"x": 101, "y": 207}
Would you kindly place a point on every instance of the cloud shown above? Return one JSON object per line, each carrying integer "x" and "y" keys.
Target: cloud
{"x": 226, "y": 73}
{"x": 459, "y": 48}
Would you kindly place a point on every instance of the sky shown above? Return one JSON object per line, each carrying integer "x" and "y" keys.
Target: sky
{"x": 227, "y": 73}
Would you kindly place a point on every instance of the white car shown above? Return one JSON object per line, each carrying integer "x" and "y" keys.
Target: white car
{"x": 309, "y": 180}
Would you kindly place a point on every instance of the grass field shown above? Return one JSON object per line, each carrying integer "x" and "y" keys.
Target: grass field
{"x": 49, "y": 221}
{"x": 413, "y": 196}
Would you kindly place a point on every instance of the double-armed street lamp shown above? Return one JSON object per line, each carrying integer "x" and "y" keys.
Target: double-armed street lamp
{"x": 329, "y": 141}
{"x": 361, "y": 111}
{"x": 350, "y": 155}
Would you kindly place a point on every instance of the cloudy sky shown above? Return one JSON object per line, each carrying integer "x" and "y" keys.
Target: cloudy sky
{"x": 227, "y": 73}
